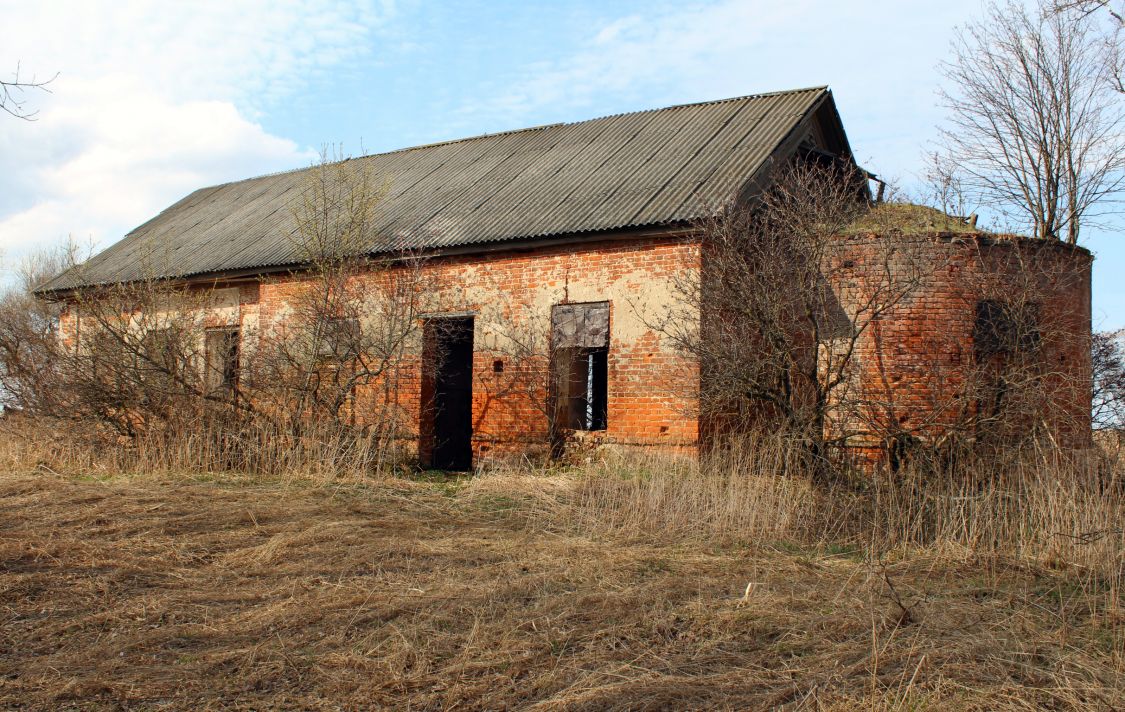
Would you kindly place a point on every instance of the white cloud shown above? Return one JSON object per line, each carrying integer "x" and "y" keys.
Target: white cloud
{"x": 154, "y": 100}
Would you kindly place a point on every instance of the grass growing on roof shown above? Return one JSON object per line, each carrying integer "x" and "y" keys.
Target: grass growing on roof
{"x": 909, "y": 219}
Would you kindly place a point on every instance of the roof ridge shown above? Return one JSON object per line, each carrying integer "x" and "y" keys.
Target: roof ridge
{"x": 527, "y": 129}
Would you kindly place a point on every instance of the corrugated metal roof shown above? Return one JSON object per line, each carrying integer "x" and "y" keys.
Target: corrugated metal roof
{"x": 641, "y": 169}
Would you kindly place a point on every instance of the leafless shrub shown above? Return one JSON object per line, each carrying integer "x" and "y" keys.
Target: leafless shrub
{"x": 156, "y": 360}
{"x": 29, "y": 335}
{"x": 124, "y": 356}
{"x": 775, "y": 317}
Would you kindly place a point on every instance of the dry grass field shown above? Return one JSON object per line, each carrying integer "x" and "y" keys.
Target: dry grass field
{"x": 180, "y": 592}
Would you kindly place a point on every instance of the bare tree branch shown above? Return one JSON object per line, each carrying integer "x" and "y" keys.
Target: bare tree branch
{"x": 1108, "y": 361}
{"x": 12, "y": 92}
{"x": 1112, "y": 35}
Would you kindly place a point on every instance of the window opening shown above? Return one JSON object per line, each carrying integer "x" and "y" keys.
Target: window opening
{"x": 580, "y": 343}
{"x": 340, "y": 340}
{"x": 1005, "y": 329}
{"x": 222, "y": 358}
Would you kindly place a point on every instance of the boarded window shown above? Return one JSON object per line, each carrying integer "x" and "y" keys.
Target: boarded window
{"x": 339, "y": 341}
{"x": 580, "y": 325}
{"x": 1005, "y": 329}
{"x": 222, "y": 358}
{"x": 580, "y": 350}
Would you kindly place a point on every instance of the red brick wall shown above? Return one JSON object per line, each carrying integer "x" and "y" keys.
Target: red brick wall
{"x": 914, "y": 366}
{"x": 911, "y": 366}
{"x": 650, "y": 386}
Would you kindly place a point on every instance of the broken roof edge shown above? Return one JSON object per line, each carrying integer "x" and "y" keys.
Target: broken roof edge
{"x": 790, "y": 142}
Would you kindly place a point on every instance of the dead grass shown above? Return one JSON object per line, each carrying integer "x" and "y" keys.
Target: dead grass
{"x": 168, "y": 592}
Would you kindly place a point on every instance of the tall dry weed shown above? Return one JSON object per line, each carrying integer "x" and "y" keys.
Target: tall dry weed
{"x": 1042, "y": 507}
{"x": 326, "y": 452}
{"x": 1045, "y": 507}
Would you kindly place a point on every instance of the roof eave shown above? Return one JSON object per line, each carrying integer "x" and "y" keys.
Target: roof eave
{"x": 673, "y": 230}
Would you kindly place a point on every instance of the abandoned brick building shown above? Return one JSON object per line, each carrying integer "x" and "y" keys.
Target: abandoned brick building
{"x": 584, "y": 226}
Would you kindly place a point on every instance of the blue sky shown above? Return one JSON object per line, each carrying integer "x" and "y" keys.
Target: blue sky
{"x": 155, "y": 99}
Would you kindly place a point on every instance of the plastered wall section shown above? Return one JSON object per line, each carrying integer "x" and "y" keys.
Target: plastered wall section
{"x": 651, "y": 387}
{"x": 212, "y": 306}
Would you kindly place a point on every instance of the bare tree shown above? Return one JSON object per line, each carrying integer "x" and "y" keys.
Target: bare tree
{"x": 12, "y": 92}
{"x": 1108, "y": 361}
{"x": 1034, "y": 130}
{"x": 353, "y": 320}
{"x": 783, "y": 300}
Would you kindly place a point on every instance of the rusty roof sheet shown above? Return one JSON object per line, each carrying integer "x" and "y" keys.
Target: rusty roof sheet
{"x": 641, "y": 169}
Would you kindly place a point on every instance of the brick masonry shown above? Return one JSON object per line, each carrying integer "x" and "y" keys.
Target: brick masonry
{"x": 911, "y": 365}
{"x": 914, "y": 366}
{"x": 510, "y": 294}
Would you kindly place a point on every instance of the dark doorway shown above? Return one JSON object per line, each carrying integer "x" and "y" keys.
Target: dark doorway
{"x": 449, "y": 412}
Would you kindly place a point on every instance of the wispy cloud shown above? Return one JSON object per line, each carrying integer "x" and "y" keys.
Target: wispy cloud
{"x": 155, "y": 99}
{"x": 878, "y": 56}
